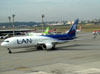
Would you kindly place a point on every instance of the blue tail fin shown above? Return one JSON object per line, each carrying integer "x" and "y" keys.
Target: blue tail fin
{"x": 72, "y": 31}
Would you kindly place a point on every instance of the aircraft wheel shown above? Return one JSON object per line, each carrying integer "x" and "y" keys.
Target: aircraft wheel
{"x": 53, "y": 48}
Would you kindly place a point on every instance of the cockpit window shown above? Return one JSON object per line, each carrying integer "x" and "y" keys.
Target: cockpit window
{"x": 6, "y": 41}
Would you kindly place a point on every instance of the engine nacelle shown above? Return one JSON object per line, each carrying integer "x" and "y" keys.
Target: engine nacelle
{"x": 47, "y": 46}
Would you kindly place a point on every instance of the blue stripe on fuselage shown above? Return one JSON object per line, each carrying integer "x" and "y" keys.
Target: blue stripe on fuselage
{"x": 61, "y": 36}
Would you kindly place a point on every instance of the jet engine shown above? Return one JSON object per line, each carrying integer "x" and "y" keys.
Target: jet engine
{"x": 47, "y": 46}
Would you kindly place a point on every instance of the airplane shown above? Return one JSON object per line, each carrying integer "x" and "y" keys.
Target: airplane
{"x": 46, "y": 42}
{"x": 52, "y": 30}
{"x": 96, "y": 32}
{"x": 79, "y": 30}
{"x": 47, "y": 31}
{"x": 34, "y": 33}
{"x": 4, "y": 37}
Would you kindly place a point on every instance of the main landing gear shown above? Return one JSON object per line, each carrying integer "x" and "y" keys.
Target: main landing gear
{"x": 9, "y": 51}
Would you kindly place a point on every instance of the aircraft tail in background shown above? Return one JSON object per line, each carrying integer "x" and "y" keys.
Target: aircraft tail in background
{"x": 46, "y": 31}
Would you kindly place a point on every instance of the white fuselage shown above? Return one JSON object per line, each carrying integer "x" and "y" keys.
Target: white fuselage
{"x": 26, "y": 41}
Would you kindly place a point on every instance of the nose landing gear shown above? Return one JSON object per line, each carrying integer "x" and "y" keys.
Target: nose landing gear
{"x": 9, "y": 51}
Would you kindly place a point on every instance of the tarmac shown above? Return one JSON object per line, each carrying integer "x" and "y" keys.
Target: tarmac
{"x": 81, "y": 56}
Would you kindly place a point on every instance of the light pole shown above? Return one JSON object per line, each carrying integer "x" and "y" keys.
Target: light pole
{"x": 9, "y": 21}
{"x": 42, "y": 21}
{"x": 13, "y": 24}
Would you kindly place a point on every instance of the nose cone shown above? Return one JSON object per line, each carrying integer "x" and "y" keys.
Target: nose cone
{"x": 4, "y": 44}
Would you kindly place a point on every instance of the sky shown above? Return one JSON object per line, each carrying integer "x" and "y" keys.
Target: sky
{"x": 54, "y": 10}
